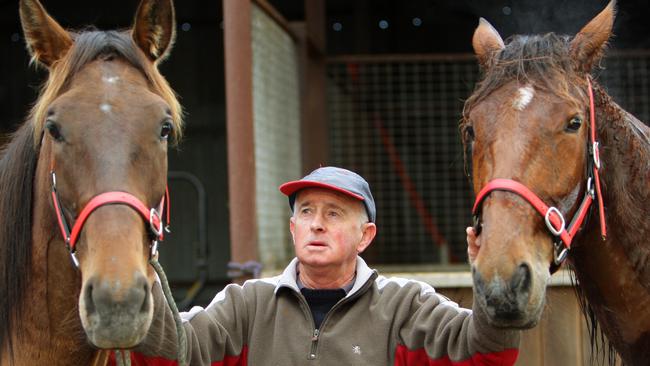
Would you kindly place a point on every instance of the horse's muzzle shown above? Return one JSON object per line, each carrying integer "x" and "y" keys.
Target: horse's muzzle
{"x": 506, "y": 302}
{"x": 113, "y": 316}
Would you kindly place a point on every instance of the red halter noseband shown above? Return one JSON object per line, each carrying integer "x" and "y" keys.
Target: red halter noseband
{"x": 151, "y": 215}
{"x": 553, "y": 218}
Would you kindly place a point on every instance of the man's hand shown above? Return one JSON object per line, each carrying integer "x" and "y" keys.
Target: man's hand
{"x": 473, "y": 245}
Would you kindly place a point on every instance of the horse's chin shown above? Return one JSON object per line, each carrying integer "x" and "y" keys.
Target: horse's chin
{"x": 520, "y": 320}
{"x": 117, "y": 330}
{"x": 126, "y": 335}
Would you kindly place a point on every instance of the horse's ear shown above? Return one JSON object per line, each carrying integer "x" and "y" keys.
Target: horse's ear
{"x": 46, "y": 40}
{"x": 154, "y": 28}
{"x": 587, "y": 46}
{"x": 486, "y": 42}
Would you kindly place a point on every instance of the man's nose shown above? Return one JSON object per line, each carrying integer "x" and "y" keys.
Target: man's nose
{"x": 317, "y": 224}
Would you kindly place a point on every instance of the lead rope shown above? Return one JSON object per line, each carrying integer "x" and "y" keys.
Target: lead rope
{"x": 180, "y": 332}
{"x": 123, "y": 357}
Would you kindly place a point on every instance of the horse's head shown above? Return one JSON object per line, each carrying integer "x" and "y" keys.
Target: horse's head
{"x": 103, "y": 122}
{"x": 527, "y": 121}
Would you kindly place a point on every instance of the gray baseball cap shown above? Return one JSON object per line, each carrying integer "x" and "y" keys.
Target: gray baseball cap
{"x": 337, "y": 179}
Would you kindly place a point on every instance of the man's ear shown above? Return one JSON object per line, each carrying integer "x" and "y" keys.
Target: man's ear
{"x": 369, "y": 231}
{"x": 292, "y": 227}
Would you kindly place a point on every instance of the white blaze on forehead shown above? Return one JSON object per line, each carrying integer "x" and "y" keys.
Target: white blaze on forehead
{"x": 523, "y": 97}
{"x": 110, "y": 79}
{"x": 105, "y": 107}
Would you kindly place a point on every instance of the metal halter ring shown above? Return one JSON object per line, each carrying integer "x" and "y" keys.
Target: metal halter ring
{"x": 156, "y": 230}
{"x": 74, "y": 259}
{"x": 560, "y": 255}
{"x": 590, "y": 187}
{"x": 154, "y": 249}
{"x": 596, "y": 154}
{"x": 547, "y": 219}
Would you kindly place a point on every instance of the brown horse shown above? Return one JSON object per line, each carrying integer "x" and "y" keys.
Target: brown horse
{"x": 101, "y": 124}
{"x": 528, "y": 121}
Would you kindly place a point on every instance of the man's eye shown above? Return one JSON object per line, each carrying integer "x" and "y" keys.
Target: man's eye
{"x": 333, "y": 214}
{"x": 305, "y": 210}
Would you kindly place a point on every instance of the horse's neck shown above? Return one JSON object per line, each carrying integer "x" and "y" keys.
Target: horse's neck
{"x": 51, "y": 331}
{"x": 625, "y": 150}
{"x": 615, "y": 274}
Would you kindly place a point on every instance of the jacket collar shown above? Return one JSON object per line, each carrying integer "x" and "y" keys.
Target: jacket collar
{"x": 288, "y": 277}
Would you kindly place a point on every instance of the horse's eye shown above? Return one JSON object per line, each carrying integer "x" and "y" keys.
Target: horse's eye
{"x": 574, "y": 124}
{"x": 54, "y": 131}
{"x": 469, "y": 133}
{"x": 166, "y": 129}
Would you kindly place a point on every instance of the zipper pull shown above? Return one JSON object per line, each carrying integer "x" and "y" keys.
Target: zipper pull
{"x": 314, "y": 337}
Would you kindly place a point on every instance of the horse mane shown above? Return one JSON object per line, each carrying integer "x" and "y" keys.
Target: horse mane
{"x": 89, "y": 46}
{"x": 543, "y": 61}
{"x": 17, "y": 169}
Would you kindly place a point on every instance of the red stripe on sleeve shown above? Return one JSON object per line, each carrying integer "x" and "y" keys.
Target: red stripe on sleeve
{"x": 419, "y": 357}
{"x": 137, "y": 359}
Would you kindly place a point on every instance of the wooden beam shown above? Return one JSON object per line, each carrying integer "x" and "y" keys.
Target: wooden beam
{"x": 240, "y": 133}
{"x": 313, "y": 107}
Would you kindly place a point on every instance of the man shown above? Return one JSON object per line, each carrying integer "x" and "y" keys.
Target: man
{"x": 329, "y": 307}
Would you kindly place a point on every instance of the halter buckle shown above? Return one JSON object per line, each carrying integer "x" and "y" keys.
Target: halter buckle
{"x": 549, "y": 224}
{"x": 156, "y": 230}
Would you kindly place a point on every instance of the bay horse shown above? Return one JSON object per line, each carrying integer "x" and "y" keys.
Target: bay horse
{"x": 539, "y": 158}
{"x": 82, "y": 187}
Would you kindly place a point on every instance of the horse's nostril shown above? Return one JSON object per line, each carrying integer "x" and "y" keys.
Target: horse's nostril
{"x": 145, "y": 301}
{"x": 479, "y": 283}
{"x": 88, "y": 298}
{"x": 521, "y": 278}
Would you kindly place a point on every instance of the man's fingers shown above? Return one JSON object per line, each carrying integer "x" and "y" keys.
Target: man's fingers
{"x": 471, "y": 236}
{"x": 472, "y": 244}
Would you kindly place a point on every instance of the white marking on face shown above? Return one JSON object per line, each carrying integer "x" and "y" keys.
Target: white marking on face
{"x": 110, "y": 79}
{"x": 105, "y": 107}
{"x": 523, "y": 98}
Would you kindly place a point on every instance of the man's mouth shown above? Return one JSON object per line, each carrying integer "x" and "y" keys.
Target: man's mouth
{"x": 316, "y": 244}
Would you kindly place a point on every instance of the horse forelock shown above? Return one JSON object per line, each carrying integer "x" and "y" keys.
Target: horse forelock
{"x": 17, "y": 169}
{"x": 91, "y": 45}
{"x": 541, "y": 61}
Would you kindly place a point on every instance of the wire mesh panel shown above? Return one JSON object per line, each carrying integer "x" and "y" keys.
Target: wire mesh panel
{"x": 276, "y": 114}
{"x": 395, "y": 121}
{"x": 626, "y": 77}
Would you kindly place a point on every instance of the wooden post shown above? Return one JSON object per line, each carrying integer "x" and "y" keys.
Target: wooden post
{"x": 240, "y": 133}
{"x": 313, "y": 110}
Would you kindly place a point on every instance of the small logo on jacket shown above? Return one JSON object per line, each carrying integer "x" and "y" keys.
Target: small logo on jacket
{"x": 356, "y": 350}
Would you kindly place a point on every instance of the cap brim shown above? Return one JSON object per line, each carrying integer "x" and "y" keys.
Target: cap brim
{"x": 290, "y": 188}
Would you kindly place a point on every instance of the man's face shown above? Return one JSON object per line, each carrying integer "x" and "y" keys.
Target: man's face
{"x": 328, "y": 228}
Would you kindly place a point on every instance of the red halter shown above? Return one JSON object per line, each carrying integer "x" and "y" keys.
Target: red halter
{"x": 151, "y": 215}
{"x": 553, "y": 218}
